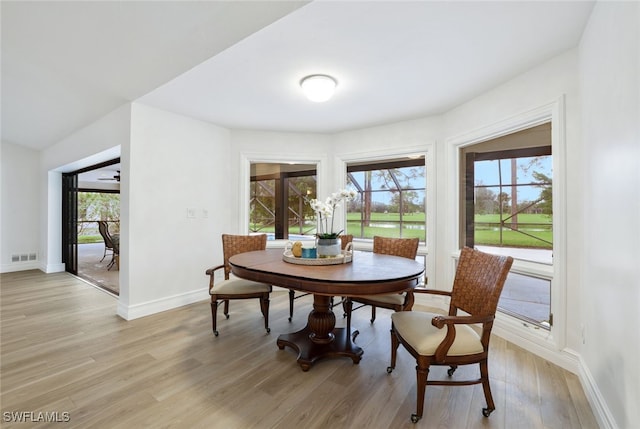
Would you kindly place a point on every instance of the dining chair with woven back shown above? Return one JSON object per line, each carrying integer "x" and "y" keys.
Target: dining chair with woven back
{"x": 344, "y": 240}
{"x": 103, "y": 228}
{"x": 403, "y": 247}
{"x": 453, "y": 339}
{"x": 232, "y": 288}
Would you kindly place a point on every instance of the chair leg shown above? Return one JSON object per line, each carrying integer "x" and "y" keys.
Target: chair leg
{"x": 395, "y": 343}
{"x": 214, "y": 315}
{"x": 112, "y": 262}
{"x": 484, "y": 376}
{"x": 348, "y": 304}
{"x": 373, "y": 313}
{"x": 347, "y": 307}
{"x": 264, "y": 307}
{"x": 226, "y": 308}
{"x": 421, "y": 375}
{"x": 291, "y": 298}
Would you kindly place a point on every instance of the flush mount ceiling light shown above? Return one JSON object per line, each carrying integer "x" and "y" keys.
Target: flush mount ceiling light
{"x": 318, "y": 87}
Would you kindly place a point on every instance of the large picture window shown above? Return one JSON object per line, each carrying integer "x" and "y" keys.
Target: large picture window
{"x": 511, "y": 197}
{"x": 278, "y": 194}
{"x": 507, "y": 207}
{"x": 391, "y": 199}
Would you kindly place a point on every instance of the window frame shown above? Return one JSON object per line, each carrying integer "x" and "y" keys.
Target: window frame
{"x": 428, "y": 151}
{"x": 468, "y": 221}
{"x": 510, "y": 328}
{"x": 247, "y": 158}
{"x": 282, "y": 194}
{"x": 387, "y": 165}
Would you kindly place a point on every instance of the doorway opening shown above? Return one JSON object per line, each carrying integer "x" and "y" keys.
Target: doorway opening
{"x": 91, "y": 224}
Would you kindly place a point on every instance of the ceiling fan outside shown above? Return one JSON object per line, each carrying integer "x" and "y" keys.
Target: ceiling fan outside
{"x": 115, "y": 177}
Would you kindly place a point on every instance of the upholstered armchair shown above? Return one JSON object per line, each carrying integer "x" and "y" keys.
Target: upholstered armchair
{"x": 452, "y": 340}
{"x": 232, "y": 288}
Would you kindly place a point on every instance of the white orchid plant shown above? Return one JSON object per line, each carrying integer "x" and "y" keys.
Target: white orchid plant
{"x": 325, "y": 210}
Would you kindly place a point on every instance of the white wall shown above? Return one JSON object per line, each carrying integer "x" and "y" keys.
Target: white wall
{"x": 610, "y": 291}
{"x": 20, "y": 207}
{"x": 97, "y": 142}
{"x": 176, "y": 164}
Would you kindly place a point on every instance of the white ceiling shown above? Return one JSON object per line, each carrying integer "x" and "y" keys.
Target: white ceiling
{"x": 65, "y": 64}
{"x": 101, "y": 178}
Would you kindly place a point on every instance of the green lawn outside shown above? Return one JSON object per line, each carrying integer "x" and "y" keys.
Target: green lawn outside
{"x": 84, "y": 239}
{"x": 394, "y": 217}
{"x": 488, "y": 235}
{"x": 522, "y": 218}
{"x": 539, "y": 226}
{"x": 513, "y": 238}
{"x": 371, "y": 231}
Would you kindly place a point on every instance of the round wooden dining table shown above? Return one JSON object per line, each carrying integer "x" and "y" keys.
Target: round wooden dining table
{"x": 368, "y": 274}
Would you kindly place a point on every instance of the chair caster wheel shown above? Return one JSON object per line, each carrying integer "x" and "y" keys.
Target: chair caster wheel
{"x": 486, "y": 412}
{"x": 268, "y": 330}
{"x": 215, "y": 333}
{"x": 389, "y": 370}
{"x": 226, "y": 315}
{"x": 289, "y": 319}
{"x": 414, "y": 418}
{"x": 450, "y": 371}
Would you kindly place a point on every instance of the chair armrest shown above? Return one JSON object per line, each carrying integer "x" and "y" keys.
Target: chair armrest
{"x": 210, "y": 271}
{"x": 432, "y": 291}
{"x": 440, "y": 321}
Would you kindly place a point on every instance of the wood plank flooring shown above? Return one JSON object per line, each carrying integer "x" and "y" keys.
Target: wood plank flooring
{"x": 64, "y": 350}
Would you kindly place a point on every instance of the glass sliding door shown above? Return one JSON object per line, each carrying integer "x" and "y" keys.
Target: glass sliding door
{"x": 70, "y": 222}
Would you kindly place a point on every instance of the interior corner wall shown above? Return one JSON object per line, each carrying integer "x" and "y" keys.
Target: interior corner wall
{"x": 179, "y": 203}
{"x": 610, "y": 292}
{"x": 81, "y": 149}
{"x": 19, "y": 207}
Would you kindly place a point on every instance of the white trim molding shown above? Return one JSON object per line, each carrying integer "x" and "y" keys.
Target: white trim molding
{"x": 549, "y": 345}
{"x": 599, "y": 406}
{"x": 247, "y": 158}
{"x": 20, "y": 266}
{"x": 130, "y": 312}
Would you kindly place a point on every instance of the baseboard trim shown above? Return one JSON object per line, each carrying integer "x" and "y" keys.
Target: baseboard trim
{"x": 571, "y": 361}
{"x": 599, "y": 407}
{"x": 34, "y": 265}
{"x": 19, "y": 266}
{"x": 130, "y": 312}
{"x": 564, "y": 358}
{"x": 53, "y": 268}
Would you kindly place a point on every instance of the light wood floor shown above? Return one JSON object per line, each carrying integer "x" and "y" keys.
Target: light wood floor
{"x": 65, "y": 350}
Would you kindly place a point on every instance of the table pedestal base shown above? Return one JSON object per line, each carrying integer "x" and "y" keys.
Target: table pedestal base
{"x": 310, "y": 351}
{"x": 320, "y": 338}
